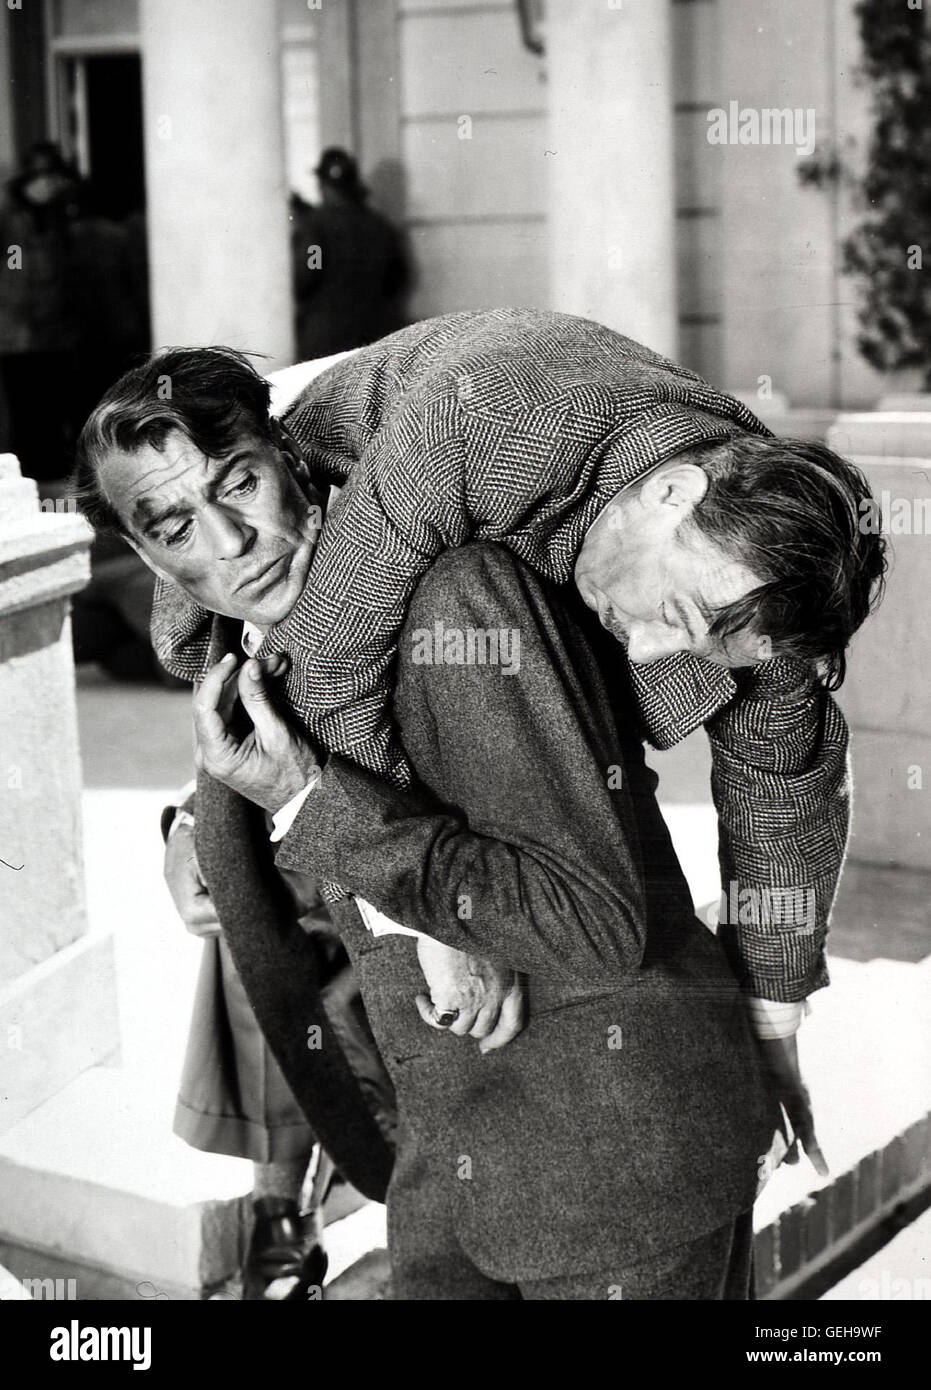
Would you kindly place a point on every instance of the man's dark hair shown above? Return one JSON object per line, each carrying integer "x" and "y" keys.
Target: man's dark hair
{"x": 212, "y": 395}
{"x": 792, "y": 511}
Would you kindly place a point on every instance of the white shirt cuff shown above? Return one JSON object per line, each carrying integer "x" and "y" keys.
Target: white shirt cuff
{"x": 770, "y": 1018}
{"x": 285, "y": 818}
{"x": 380, "y": 925}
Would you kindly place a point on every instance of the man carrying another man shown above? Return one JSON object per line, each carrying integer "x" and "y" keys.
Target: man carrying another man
{"x": 615, "y": 1143}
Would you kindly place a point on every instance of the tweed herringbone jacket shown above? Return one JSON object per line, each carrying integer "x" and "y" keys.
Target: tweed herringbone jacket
{"x": 518, "y": 426}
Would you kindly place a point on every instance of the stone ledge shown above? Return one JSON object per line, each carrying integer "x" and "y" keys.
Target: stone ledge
{"x": 118, "y": 1202}
{"x": 76, "y": 988}
{"x": 11, "y": 1290}
{"x": 55, "y": 574}
{"x": 882, "y": 436}
{"x": 786, "y": 420}
{"x": 95, "y": 1177}
{"x": 43, "y": 555}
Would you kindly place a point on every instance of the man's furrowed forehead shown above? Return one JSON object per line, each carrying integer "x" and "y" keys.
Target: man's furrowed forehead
{"x": 154, "y": 479}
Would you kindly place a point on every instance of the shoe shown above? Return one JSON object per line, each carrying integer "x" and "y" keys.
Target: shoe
{"x": 285, "y": 1258}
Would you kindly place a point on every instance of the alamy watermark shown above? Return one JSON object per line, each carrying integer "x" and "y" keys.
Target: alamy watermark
{"x": 784, "y": 909}
{"x": 763, "y": 125}
{"x": 895, "y": 516}
{"x": 40, "y": 1289}
{"x": 440, "y": 645}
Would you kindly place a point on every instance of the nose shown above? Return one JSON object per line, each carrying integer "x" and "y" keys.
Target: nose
{"x": 230, "y": 535}
{"x": 651, "y": 641}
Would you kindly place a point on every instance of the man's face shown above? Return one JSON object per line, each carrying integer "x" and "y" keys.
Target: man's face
{"x": 237, "y": 533}
{"x": 656, "y": 582}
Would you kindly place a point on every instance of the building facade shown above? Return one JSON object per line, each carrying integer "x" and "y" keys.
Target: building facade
{"x": 597, "y": 156}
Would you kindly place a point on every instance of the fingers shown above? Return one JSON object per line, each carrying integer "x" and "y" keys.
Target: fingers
{"x": 428, "y": 1012}
{"x": 510, "y": 1020}
{"x": 276, "y": 665}
{"x": 813, "y": 1150}
{"x": 803, "y": 1126}
{"x": 487, "y": 1017}
{"x": 444, "y": 1021}
{"x": 253, "y": 691}
{"x": 464, "y": 1021}
{"x": 211, "y": 712}
{"x": 211, "y": 927}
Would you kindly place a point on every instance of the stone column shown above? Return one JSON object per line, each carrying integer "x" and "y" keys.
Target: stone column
{"x": 215, "y": 173}
{"x": 57, "y": 986}
{"x": 779, "y": 241}
{"x": 887, "y": 697}
{"x": 7, "y": 151}
{"x": 610, "y": 160}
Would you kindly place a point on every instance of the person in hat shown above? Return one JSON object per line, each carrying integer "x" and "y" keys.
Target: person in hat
{"x": 349, "y": 267}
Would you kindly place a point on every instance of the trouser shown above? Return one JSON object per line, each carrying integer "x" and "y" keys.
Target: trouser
{"x": 428, "y": 1261}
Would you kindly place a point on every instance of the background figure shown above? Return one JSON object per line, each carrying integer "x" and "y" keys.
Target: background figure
{"x": 109, "y": 308}
{"x": 108, "y": 296}
{"x": 233, "y": 1097}
{"x": 37, "y": 328}
{"x": 350, "y": 270}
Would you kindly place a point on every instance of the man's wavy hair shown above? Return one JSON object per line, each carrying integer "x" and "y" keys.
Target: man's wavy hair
{"x": 212, "y": 395}
{"x": 792, "y": 511}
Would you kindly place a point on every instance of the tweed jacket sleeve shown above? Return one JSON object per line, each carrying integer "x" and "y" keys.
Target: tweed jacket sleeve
{"x": 518, "y": 427}
{"x": 781, "y": 787}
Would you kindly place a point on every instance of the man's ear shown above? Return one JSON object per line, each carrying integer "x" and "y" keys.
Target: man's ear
{"x": 289, "y": 446}
{"x": 146, "y": 559}
{"x": 296, "y": 461}
{"x": 680, "y": 486}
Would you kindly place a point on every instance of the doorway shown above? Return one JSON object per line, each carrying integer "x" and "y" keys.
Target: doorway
{"x": 101, "y": 97}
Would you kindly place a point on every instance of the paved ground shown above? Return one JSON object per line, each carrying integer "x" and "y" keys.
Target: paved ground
{"x": 865, "y": 1047}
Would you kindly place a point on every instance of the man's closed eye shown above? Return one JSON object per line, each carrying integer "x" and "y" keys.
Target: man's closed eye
{"x": 243, "y": 487}
{"x": 178, "y": 536}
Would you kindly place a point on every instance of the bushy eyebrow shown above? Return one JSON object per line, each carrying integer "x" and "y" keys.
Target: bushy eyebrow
{"x": 146, "y": 519}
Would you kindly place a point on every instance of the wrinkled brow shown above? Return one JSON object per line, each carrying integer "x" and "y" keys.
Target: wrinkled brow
{"x": 147, "y": 515}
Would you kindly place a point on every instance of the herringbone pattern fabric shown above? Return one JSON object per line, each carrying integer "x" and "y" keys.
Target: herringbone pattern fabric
{"x": 518, "y": 426}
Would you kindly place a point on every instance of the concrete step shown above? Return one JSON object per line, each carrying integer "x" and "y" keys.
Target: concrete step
{"x": 95, "y": 1187}
{"x": 11, "y": 1289}
{"x": 901, "y": 1270}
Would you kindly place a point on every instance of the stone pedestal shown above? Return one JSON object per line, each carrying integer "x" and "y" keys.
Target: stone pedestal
{"x": 57, "y": 986}
{"x": 887, "y": 696}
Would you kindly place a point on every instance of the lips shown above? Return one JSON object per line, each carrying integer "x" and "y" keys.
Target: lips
{"x": 262, "y": 578}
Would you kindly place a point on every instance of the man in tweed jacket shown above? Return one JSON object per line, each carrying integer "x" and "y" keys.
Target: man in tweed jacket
{"x": 520, "y": 427}
{"x": 794, "y": 787}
